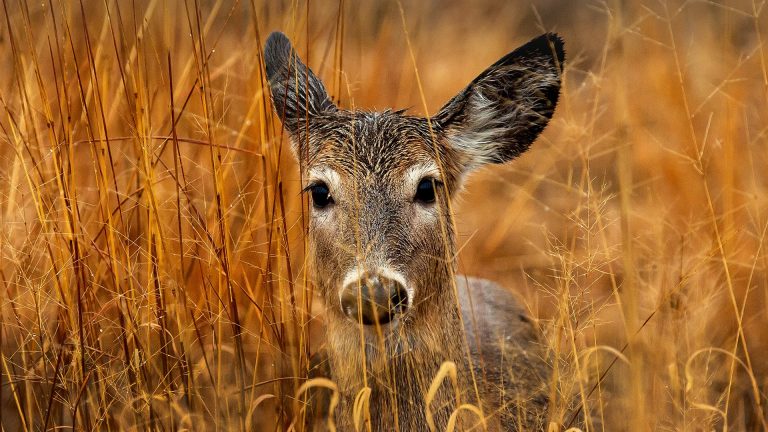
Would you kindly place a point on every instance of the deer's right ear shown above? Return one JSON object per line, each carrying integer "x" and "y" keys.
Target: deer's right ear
{"x": 297, "y": 94}
{"x": 502, "y": 111}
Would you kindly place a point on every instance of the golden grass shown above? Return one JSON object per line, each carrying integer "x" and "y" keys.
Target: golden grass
{"x": 152, "y": 246}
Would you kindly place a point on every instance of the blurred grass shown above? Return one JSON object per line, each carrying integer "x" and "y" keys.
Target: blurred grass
{"x": 152, "y": 242}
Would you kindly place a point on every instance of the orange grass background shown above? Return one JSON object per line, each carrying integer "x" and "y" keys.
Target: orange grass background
{"x": 152, "y": 247}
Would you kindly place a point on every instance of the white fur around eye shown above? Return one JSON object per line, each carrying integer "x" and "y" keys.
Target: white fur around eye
{"x": 328, "y": 176}
{"x": 417, "y": 172}
{"x": 321, "y": 219}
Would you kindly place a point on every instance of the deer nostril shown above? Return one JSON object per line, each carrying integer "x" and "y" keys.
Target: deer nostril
{"x": 373, "y": 300}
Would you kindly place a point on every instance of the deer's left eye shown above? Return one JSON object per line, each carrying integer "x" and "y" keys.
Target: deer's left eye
{"x": 425, "y": 191}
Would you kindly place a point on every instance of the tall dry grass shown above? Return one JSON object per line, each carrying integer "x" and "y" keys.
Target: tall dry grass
{"x": 152, "y": 242}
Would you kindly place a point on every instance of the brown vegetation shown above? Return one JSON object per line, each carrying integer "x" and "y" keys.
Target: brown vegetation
{"x": 152, "y": 246}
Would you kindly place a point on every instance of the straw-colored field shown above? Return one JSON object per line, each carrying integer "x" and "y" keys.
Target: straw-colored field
{"x": 152, "y": 246}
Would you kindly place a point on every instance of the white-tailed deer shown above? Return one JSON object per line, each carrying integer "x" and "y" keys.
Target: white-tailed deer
{"x": 382, "y": 244}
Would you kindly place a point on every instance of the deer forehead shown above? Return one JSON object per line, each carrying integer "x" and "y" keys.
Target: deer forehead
{"x": 370, "y": 147}
{"x": 381, "y": 138}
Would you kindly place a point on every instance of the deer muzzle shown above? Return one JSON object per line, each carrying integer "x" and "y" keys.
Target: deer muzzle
{"x": 373, "y": 299}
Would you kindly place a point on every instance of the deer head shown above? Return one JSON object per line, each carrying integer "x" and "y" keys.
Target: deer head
{"x": 380, "y": 231}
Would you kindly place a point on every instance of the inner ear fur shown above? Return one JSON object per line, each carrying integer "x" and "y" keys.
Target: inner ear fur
{"x": 502, "y": 111}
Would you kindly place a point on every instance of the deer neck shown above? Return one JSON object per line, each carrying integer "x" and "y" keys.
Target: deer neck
{"x": 400, "y": 371}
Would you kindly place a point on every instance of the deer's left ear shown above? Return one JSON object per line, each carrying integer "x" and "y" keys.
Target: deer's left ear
{"x": 502, "y": 111}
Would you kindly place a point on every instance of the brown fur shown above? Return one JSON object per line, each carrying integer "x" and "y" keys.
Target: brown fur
{"x": 367, "y": 158}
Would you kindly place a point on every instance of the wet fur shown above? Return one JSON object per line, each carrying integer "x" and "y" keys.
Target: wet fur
{"x": 374, "y": 221}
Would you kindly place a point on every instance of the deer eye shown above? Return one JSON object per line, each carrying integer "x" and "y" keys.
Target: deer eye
{"x": 321, "y": 196}
{"x": 425, "y": 191}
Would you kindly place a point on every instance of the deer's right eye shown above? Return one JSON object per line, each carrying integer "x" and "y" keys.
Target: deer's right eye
{"x": 425, "y": 191}
{"x": 321, "y": 196}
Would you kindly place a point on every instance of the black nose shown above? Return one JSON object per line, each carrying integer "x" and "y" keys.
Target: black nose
{"x": 374, "y": 299}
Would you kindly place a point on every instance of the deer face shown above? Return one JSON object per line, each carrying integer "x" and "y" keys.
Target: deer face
{"x": 381, "y": 182}
{"x": 378, "y": 221}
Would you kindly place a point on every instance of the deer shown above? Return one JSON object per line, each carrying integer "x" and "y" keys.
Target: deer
{"x": 382, "y": 247}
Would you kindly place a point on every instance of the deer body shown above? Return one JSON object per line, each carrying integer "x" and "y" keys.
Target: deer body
{"x": 504, "y": 355}
{"x": 382, "y": 245}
